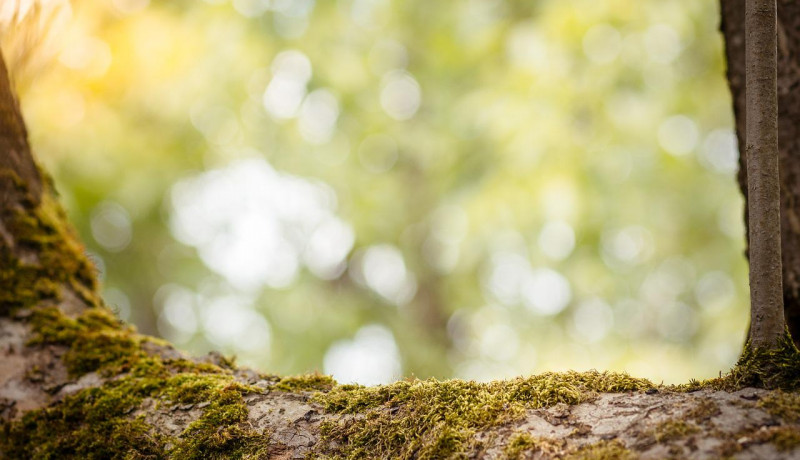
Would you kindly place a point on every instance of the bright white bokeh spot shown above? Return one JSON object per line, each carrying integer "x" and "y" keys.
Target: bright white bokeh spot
{"x": 318, "y": 116}
{"x": 715, "y": 291}
{"x": 628, "y": 246}
{"x": 401, "y": 95}
{"x": 327, "y": 248}
{"x": 178, "y": 319}
{"x": 721, "y": 151}
{"x": 285, "y": 92}
{"x": 87, "y": 54}
{"x": 557, "y": 240}
{"x": 592, "y": 320}
{"x": 111, "y": 226}
{"x": 678, "y": 135}
{"x": 499, "y": 342}
{"x": 662, "y": 43}
{"x": 384, "y": 271}
{"x": 602, "y": 43}
{"x": 230, "y": 322}
{"x": 252, "y": 224}
{"x": 527, "y": 48}
{"x": 506, "y": 275}
{"x": 545, "y": 291}
{"x": 371, "y": 358}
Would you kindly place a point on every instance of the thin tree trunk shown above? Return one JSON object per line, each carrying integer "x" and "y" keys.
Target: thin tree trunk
{"x": 788, "y": 84}
{"x": 766, "y": 292}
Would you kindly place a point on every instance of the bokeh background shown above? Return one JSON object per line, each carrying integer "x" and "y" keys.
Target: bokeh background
{"x": 381, "y": 188}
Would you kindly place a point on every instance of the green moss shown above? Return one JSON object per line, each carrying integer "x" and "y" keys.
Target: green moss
{"x": 777, "y": 368}
{"x": 785, "y": 438}
{"x": 223, "y": 430}
{"x": 90, "y": 424}
{"x": 96, "y": 340}
{"x": 671, "y": 430}
{"x": 523, "y": 442}
{"x": 306, "y": 382}
{"x": 518, "y": 444}
{"x": 433, "y": 419}
{"x": 602, "y": 450}
{"x": 56, "y": 258}
{"x": 98, "y": 422}
{"x": 703, "y": 411}
{"x": 783, "y": 405}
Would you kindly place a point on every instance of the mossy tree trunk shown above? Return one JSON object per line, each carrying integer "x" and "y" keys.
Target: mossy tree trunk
{"x": 788, "y": 97}
{"x": 75, "y": 382}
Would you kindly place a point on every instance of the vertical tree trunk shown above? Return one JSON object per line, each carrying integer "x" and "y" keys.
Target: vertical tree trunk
{"x": 788, "y": 93}
{"x": 763, "y": 187}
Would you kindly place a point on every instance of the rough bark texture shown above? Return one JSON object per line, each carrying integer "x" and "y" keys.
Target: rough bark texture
{"x": 788, "y": 85}
{"x": 763, "y": 187}
{"x": 75, "y": 382}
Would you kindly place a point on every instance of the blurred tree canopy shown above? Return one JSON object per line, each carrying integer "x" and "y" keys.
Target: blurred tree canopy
{"x": 377, "y": 188}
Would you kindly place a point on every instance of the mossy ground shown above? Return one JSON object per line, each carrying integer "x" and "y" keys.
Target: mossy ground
{"x": 439, "y": 419}
{"x": 777, "y": 368}
{"x": 407, "y": 419}
{"x": 602, "y": 450}
{"x": 522, "y": 444}
{"x": 98, "y": 422}
{"x": 671, "y": 430}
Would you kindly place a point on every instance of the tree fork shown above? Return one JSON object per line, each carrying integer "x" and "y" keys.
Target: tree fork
{"x": 766, "y": 284}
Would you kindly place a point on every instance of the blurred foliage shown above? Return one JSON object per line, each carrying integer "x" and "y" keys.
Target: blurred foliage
{"x": 379, "y": 188}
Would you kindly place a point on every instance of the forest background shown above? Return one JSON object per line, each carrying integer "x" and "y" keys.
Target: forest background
{"x": 377, "y": 189}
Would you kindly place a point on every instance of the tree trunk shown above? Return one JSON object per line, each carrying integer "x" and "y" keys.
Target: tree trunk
{"x": 75, "y": 382}
{"x": 763, "y": 188}
{"x": 788, "y": 87}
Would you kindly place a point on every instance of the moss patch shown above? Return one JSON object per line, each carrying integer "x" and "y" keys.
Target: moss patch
{"x": 54, "y": 258}
{"x": 523, "y": 442}
{"x": 96, "y": 340}
{"x": 433, "y": 419}
{"x": 785, "y": 438}
{"x": 783, "y": 405}
{"x": 306, "y": 382}
{"x": 518, "y": 444}
{"x": 703, "y": 411}
{"x": 222, "y": 431}
{"x": 98, "y": 422}
{"x": 760, "y": 368}
{"x": 602, "y": 450}
{"x": 671, "y": 430}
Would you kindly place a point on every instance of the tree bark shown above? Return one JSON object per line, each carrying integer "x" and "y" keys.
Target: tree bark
{"x": 766, "y": 292}
{"x": 75, "y": 382}
{"x": 788, "y": 92}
